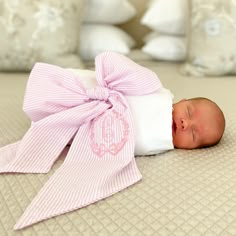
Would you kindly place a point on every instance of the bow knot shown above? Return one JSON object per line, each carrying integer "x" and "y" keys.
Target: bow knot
{"x": 98, "y": 93}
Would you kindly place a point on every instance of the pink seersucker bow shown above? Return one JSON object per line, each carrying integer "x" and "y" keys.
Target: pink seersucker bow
{"x": 100, "y": 161}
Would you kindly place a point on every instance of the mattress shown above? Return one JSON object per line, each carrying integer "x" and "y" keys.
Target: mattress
{"x": 183, "y": 192}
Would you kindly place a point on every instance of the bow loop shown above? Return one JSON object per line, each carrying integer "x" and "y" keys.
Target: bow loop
{"x": 123, "y": 75}
{"x": 52, "y": 89}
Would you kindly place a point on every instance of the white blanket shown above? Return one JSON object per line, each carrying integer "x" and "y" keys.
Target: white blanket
{"x": 152, "y": 116}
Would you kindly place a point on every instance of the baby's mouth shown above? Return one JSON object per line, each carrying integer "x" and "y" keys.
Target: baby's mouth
{"x": 174, "y": 127}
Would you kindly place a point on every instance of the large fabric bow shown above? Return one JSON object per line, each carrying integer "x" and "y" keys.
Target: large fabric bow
{"x": 100, "y": 161}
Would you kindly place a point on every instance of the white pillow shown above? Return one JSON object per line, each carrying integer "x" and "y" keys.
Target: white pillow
{"x": 165, "y": 47}
{"x": 108, "y": 11}
{"x": 167, "y": 16}
{"x": 97, "y": 38}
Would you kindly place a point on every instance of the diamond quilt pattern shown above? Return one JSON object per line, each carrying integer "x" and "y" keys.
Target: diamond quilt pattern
{"x": 183, "y": 193}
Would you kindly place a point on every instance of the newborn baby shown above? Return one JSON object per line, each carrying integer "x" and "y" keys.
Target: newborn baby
{"x": 197, "y": 122}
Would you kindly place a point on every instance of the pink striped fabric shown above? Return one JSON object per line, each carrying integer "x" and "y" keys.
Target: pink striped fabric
{"x": 100, "y": 161}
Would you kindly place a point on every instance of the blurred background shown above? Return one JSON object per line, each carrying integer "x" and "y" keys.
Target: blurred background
{"x": 71, "y": 33}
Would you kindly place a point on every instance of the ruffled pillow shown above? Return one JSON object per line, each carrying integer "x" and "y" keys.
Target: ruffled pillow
{"x": 212, "y": 37}
{"x": 46, "y": 31}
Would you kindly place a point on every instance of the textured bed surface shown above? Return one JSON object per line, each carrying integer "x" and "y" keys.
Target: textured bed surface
{"x": 182, "y": 192}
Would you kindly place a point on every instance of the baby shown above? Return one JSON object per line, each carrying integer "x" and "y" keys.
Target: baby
{"x": 197, "y": 122}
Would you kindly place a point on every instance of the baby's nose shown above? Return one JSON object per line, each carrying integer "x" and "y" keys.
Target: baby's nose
{"x": 184, "y": 124}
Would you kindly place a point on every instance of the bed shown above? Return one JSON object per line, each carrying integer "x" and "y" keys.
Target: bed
{"x": 182, "y": 192}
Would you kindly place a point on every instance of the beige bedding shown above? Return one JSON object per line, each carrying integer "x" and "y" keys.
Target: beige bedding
{"x": 182, "y": 192}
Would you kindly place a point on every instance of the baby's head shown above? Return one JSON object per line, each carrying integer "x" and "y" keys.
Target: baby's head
{"x": 197, "y": 122}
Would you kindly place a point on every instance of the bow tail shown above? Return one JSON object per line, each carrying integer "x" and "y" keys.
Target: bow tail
{"x": 45, "y": 140}
{"x": 37, "y": 151}
{"x": 7, "y": 154}
{"x": 82, "y": 179}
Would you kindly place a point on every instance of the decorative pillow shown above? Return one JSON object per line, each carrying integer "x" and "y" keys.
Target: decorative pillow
{"x": 212, "y": 37}
{"x": 108, "y": 11}
{"x": 163, "y": 47}
{"x": 39, "y": 30}
{"x": 166, "y": 16}
{"x": 97, "y": 38}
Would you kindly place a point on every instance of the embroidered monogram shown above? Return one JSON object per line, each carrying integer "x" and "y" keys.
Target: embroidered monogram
{"x": 102, "y": 136}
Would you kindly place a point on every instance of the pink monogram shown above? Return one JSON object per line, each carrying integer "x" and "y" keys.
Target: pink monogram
{"x": 102, "y": 133}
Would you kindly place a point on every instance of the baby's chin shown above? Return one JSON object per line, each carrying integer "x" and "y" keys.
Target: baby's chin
{"x": 174, "y": 128}
{"x": 174, "y": 133}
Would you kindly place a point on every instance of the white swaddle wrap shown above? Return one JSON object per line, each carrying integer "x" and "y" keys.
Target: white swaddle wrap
{"x": 152, "y": 116}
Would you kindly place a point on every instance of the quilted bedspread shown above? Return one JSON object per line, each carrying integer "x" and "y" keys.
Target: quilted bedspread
{"x": 182, "y": 192}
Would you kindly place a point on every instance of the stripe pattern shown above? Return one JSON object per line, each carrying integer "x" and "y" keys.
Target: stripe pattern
{"x": 100, "y": 161}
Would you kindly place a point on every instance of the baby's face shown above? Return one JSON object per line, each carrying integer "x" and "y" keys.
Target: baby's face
{"x": 194, "y": 124}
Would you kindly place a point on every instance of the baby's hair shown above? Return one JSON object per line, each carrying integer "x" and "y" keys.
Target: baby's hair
{"x": 220, "y": 119}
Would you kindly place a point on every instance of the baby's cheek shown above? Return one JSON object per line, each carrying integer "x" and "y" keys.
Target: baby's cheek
{"x": 182, "y": 140}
